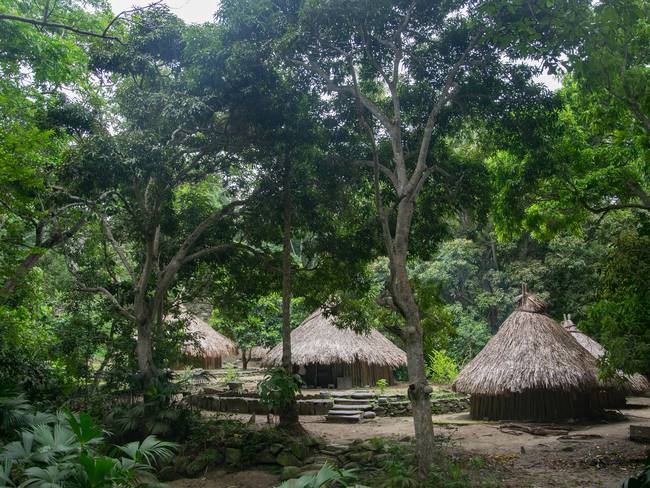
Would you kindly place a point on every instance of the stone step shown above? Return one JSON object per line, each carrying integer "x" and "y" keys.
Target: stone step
{"x": 351, "y": 401}
{"x": 347, "y": 406}
{"x": 344, "y": 419}
{"x": 363, "y": 395}
{"x": 344, "y": 412}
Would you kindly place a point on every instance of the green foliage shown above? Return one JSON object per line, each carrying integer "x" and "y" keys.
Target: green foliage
{"x": 325, "y": 476}
{"x": 619, "y": 316}
{"x": 441, "y": 368}
{"x": 278, "y": 389}
{"x": 382, "y": 384}
{"x": 161, "y": 412}
{"x": 232, "y": 375}
{"x": 70, "y": 450}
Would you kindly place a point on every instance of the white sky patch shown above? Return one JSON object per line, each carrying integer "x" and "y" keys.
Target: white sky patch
{"x": 191, "y": 11}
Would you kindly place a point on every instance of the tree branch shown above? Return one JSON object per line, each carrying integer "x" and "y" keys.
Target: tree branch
{"x": 371, "y": 164}
{"x": 117, "y": 248}
{"x": 111, "y": 298}
{"x": 54, "y": 25}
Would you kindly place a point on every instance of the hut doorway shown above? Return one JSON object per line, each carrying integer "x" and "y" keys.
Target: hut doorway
{"x": 359, "y": 374}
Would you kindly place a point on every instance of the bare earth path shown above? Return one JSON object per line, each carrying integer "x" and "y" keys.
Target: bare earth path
{"x": 519, "y": 459}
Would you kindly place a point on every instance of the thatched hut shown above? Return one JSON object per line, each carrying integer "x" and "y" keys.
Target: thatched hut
{"x": 326, "y": 355}
{"x": 634, "y": 384}
{"x": 257, "y": 353}
{"x": 531, "y": 369}
{"x": 208, "y": 348}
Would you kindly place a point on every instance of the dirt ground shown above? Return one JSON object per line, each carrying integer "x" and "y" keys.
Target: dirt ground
{"x": 594, "y": 455}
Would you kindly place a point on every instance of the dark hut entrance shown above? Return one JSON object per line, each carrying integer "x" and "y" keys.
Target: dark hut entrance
{"x": 342, "y": 375}
{"x": 535, "y": 405}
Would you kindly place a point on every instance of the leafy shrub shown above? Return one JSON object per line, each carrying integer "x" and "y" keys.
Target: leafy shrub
{"x": 161, "y": 412}
{"x": 326, "y": 475}
{"x": 70, "y": 450}
{"x": 382, "y": 384}
{"x": 278, "y": 389}
{"x": 441, "y": 368}
{"x": 231, "y": 374}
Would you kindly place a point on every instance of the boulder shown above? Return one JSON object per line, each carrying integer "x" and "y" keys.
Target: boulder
{"x": 289, "y": 472}
{"x": 300, "y": 450}
{"x": 285, "y": 458}
{"x": 265, "y": 457}
{"x": 276, "y": 448}
{"x": 233, "y": 456}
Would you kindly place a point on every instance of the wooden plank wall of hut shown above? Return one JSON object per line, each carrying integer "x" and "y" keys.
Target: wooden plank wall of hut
{"x": 362, "y": 374}
{"x": 205, "y": 362}
{"x": 534, "y": 405}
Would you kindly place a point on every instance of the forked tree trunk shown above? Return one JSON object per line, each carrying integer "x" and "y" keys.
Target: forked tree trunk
{"x": 288, "y": 415}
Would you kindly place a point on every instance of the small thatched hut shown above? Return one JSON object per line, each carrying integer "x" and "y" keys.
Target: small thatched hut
{"x": 531, "y": 369}
{"x": 209, "y": 347}
{"x": 258, "y": 353}
{"x": 327, "y": 355}
{"x": 635, "y": 384}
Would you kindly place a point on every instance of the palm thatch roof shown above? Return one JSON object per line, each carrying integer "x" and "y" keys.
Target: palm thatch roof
{"x": 530, "y": 352}
{"x": 259, "y": 352}
{"x": 635, "y": 383}
{"x": 318, "y": 341}
{"x": 208, "y": 342}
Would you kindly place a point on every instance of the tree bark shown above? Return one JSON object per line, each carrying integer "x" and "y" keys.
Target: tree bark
{"x": 419, "y": 391}
{"x": 244, "y": 359}
{"x": 289, "y": 415}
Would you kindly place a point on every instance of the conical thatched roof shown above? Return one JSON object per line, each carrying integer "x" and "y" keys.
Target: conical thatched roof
{"x": 318, "y": 341}
{"x": 259, "y": 352}
{"x": 636, "y": 383}
{"x": 529, "y": 352}
{"x": 210, "y": 342}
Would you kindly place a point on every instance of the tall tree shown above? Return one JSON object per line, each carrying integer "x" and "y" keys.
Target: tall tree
{"x": 168, "y": 207}
{"x": 406, "y": 72}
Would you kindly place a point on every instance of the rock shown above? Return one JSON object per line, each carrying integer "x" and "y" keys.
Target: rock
{"x": 168, "y": 473}
{"x": 640, "y": 433}
{"x": 289, "y": 472}
{"x": 369, "y": 415}
{"x": 265, "y": 457}
{"x": 361, "y": 457}
{"x": 301, "y": 451}
{"x": 233, "y": 456}
{"x": 276, "y": 448}
{"x": 194, "y": 469}
{"x": 362, "y": 395}
{"x": 368, "y": 446}
{"x": 285, "y": 458}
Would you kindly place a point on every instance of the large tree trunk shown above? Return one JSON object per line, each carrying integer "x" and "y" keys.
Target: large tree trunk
{"x": 144, "y": 349}
{"x": 289, "y": 415}
{"x": 419, "y": 391}
{"x": 244, "y": 359}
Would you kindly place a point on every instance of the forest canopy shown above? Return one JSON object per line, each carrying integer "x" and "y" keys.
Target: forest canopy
{"x": 399, "y": 163}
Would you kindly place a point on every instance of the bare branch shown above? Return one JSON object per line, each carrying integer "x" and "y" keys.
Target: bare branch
{"x": 111, "y": 298}
{"x": 54, "y": 25}
{"x": 449, "y": 89}
{"x": 371, "y": 164}
{"x": 349, "y": 90}
{"x": 135, "y": 9}
{"x": 117, "y": 248}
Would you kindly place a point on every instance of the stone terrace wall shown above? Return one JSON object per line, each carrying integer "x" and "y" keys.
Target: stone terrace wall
{"x": 384, "y": 406}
